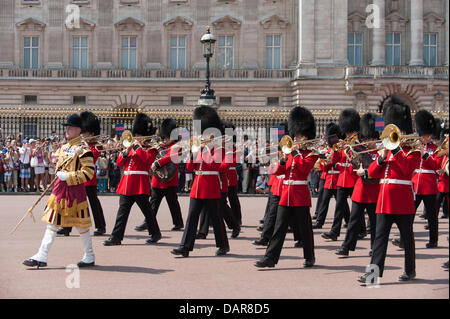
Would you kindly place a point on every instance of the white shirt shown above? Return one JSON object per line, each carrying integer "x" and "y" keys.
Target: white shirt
{"x": 25, "y": 155}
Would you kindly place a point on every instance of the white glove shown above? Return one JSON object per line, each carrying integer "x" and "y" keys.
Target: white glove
{"x": 62, "y": 176}
{"x": 78, "y": 150}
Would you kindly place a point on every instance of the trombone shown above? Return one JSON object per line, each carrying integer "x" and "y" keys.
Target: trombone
{"x": 127, "y": 139}
{"x": 287, "y": 144}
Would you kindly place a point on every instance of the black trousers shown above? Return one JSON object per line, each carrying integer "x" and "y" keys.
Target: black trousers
{"x": 269, "y": 221}
{"x": 96, "y": 208}
{"x": 171, "y": 196}
{"x": 430, "y": 203}
{"x": 384, "y": 225}
{"x": 443, "y": 198}
{"x": 320, "y": 196}
{"x": 300, "y": 217}
{"x": 235, "y": 204}
{"x": 323, "y": 210}
{"x": 266, "y": 211}
{"x": 225, "y": 212}
{"x": 211, "y": 207}
{"x": 125, "y": 204}
{"x": 355, "y": 224}
{"x": 342, "y": 210}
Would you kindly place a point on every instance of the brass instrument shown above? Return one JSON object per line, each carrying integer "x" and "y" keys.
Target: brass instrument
{"x": 287, "y": 144}
{"x": 345, "y": 143}
{"x": 443, "y": 148}
{"x": 127, "y": 139}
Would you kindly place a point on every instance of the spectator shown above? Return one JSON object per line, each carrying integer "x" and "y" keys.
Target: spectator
{"x": 102, "y": 172}
{"x": 3, "y": 166}
{"x": 39, "y": 170}
{"x": 261, "y": 184}
{"x": 25, "y": 170}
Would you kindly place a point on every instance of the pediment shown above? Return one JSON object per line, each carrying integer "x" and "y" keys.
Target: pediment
{"x": 434, "y": 18}
{"x": 179, "y": 21}
{"x": 129, "y": 23}
{"x": 274, "y": 21}
{"x": 396, "y": 17}
{"x": 31, "y": 23}
{"x": 85, "y": 24}
{"x": 223, "y": 22}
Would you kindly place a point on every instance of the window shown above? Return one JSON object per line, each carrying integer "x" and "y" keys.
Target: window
{"x": 273, "y": 52}
{"x": 225, "y": 52}
{"x": 80, "y": 49}
{"x": 355, "y": 46}
{"x": 30, "y": 99}
{"x": 273, "y": 101}
{"x": 225, "y": 100}
{"x": 128, "y": 58}
{"x": 176, "y": 100}
{"x": 77, "y": 100}
{"x": 393, "y": 48}
{"x": 178, "y": 52}
{"x": 31, "y": 52}
{"x": 430, "y": 49}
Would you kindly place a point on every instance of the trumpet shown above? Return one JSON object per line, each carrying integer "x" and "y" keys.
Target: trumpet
{"x": 127, "y": 139}
{"x": 345, "y": 143}
{"x": 287, "y": 144}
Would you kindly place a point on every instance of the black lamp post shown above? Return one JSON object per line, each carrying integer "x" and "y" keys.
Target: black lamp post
{"x": 207, "y": 97}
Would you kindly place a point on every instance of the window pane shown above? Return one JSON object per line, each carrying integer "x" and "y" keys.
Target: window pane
{"x": 84, "y": 58}
{"x": 358, "y": 39}
{"x": 84, "y": 42}
{"x": 433, "y": 56}
{"x": 125, "y": 42}
{"x": 35, "y": 41}
{"x": 350, "y": 55}
{"x": 426, "y": 39}
{"x": 350, "y": 39}
{"x": 268, "y": 58}
{"x": 124, "y": 59}
{"x": 229, "y": 58}
{"x": 358, "y": 55}
{"x": 230, "y": 41}
{"x": 75, "y": 42}
{"x": 173, "y": 42}
{"x": 397, "y": 55}
{"x": 269, "y": 41}
{"x": 388, "y": 38}
{"x": 133, "y": 60}
{"x": 182, "y": 42}
{"x": 221, "y": 59}
{"x": 133, "y": 42}
{"x": 26, "y": 42}
{"x": 277, "y": 40}
{"x": 277, "y": 58}
{"x": 173, "y": 58}
{"x": 221, "y": 41}
{"x": 181, "y": 58}
{"x": 35, "y": 58}
{"x": 433, "y": 39}
{"x": 75, "y": 58}
{"x": 26, "y": 58}
{"x": 397, "y": 38}
{"x": 389, "y": 55}
{"x": 426, "y": 56}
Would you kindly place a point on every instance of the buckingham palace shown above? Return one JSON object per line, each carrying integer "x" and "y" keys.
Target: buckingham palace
{"x": 126, "y": 55}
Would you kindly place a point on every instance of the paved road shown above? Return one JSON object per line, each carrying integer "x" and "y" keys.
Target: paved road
{"x": 137, "y": 270}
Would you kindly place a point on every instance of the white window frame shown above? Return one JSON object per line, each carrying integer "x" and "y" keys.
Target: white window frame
{"x": 31, "y": 47}
{"x": 354, "y": 46}
{"x": 177, "y": 47}
{"x": 225, "y": 47}
{"x": 272, "y": 47}
{"x": 80, "y": 48}
{"x": 128, "y": 52}
{"x": 428, "y": 46}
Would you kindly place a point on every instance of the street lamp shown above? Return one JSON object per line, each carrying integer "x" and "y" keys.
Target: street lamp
{"x": 208, "y": 41}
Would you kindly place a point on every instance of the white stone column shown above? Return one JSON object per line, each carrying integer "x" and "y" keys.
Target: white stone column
{"x": 416, "y": 32}
{"x": 306, "y": 38}
{"x": 446, "y": 34}
{"x": 379, "y": 35}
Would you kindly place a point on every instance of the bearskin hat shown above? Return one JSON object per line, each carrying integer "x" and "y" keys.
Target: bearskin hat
{"x": 437, "y": 131}
{"x": 301, "y": 121}
{"x": 349, "y": 121}
{"x": 444, "y": 132}
{"x": 425, "y": 123}
{"x": 396, "y": 111}
{"x": 142, "y": 125}
{"x": 167, "y": 126}
{"x": 367, "y": 127}
{"x": 90, "y": 123}
{"x": 332, "y": 130}
{"x": 208, "y": 117}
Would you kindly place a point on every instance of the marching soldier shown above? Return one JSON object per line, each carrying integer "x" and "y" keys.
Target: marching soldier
{"x": 166, "y": 188}
{"x": 134, "y": 186}
{"x": 295, "y": 200}
{"x": 90, "y": 128}
{"x": 331, "y": 176}
{"x": 443, "y": 178}
{"x": 395, "y": 202}
{"x": 365, "y": 193}
{"x": 206, "y": 189}
{"x": 68, "y": 205}
{"x": 349, "y": 125}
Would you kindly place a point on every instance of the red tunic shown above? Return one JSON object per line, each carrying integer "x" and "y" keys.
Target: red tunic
{"x": 443, "y": 178}
{"x": 206, "y": 185}
{"x": 278, "y": 179}
{"x": 425, "y": 178}
{"x": 135, "y": 179}
{"x": 347, "y": 177}
{"x": 396, "y": 196}
{"x": 171, "y": 155}
{"x": 93, "y": 181}
{"x": 331, "y": 177}
{"x": 232, "y": 174}
{"x": 295, "y": 190}
{"x": 366, "y": 190}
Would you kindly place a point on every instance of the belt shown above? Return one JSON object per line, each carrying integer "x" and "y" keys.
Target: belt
{"x": 281, "y": 177}
{"x": 424, "y": 171}
{"x": 232, "y": 168}
{"x": 135, "y": 173}
{"x": 395, "y": 181}
{"x": 207, "y": 173}
{"x": 291, "y": 182}
{"x": 333, "y": 172}
{"x": 344, "y": 164}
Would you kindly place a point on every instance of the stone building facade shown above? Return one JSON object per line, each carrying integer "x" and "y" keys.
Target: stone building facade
{"x": 270, "y": 54}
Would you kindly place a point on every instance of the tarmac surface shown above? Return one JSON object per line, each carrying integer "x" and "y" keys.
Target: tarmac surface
{"x": 137, "y": 270}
